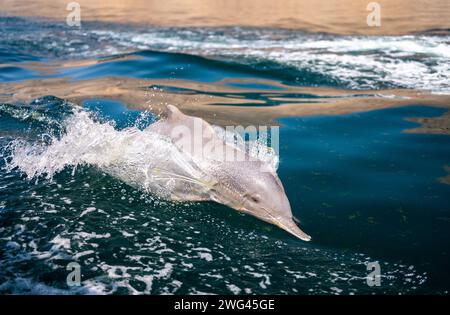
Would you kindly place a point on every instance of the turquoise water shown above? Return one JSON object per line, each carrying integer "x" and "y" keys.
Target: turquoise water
{"x": 364, "y": 189}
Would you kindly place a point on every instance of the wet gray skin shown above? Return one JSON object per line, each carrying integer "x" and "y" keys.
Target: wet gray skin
{"x": 244, "y": 184}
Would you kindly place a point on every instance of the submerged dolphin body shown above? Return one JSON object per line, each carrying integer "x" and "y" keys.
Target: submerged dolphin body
{"x": 244, "y": 184}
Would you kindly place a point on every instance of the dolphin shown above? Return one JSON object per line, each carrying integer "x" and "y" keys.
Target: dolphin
{"x": 245, "y": 184}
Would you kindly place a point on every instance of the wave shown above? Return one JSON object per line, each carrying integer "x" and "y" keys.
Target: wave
{"x": 359, "y": 62}
{"x": 419, "y": 62}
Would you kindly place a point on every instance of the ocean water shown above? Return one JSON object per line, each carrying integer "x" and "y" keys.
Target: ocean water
{"x": 362, "y": 186}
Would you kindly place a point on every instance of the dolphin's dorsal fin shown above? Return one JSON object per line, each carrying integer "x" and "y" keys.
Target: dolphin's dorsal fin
{"x": 173, "y": 113}
{"x": 176, "y": 117}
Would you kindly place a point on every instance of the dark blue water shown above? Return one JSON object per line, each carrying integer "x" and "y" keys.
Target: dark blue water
{"x": 368, "y": 185}
{"x": 362, "y": 187}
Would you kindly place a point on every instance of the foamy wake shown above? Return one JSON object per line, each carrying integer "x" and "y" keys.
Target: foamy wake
{"x": 418, "y": 61}
{"x": 360, "y": 62}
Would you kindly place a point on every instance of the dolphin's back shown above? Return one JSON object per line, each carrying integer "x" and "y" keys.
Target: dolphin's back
{"x": 196, "y": 137}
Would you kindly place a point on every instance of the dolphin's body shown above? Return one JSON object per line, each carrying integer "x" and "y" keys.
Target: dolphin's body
{"x": 242, "y": 183}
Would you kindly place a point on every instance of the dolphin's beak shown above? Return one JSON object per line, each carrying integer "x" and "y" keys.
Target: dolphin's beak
{"x": 289, "y": 225}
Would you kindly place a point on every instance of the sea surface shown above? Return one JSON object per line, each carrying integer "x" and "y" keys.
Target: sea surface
{"x": 365, "y": 184}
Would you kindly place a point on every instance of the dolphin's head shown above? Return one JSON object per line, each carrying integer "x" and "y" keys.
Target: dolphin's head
{"x": 256, "y": 190}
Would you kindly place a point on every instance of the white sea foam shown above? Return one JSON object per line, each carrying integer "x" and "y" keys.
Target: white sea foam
{"x": 413, "y": 61}
{"x": 420, "y": 62}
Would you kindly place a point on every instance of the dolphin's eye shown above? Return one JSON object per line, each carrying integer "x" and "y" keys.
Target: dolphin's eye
{"x": 255, "y": 198}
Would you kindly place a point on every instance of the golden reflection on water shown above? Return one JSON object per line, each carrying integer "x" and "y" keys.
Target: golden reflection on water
{"x": 222, "y": 104}
{"x": 333, "y": 16}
